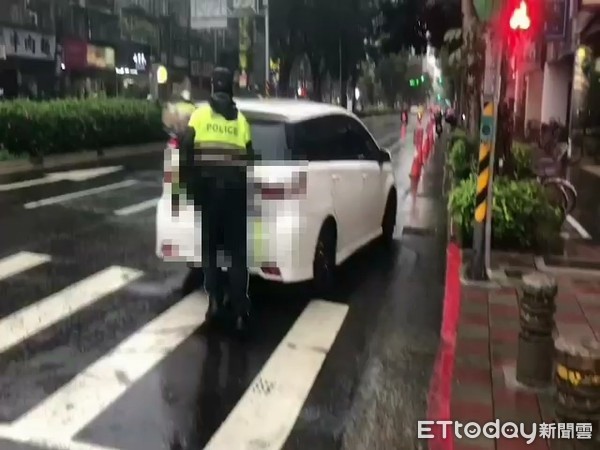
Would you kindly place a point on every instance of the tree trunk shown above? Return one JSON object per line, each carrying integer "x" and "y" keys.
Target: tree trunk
{"x": 284, "y": 76}
{"x": 315, "y": 70}
{"x": 353, "y": 82}
{"x": 344, "y": 91}
{"x": 473, "y": 101}
{"x": 504, "y": 128}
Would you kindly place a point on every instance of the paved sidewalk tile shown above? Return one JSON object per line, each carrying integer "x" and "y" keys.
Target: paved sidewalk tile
{"x": 486, "y": 353}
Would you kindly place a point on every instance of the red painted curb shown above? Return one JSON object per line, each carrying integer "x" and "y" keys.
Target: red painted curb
{"x": 440, "y": 388}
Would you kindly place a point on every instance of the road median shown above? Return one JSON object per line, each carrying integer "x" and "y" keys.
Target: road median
{"x": 14, "y": 170}
{"x": 18, "y": 169}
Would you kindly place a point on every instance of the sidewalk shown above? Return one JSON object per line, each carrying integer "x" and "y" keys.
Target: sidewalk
{"x": 483, "y": 386}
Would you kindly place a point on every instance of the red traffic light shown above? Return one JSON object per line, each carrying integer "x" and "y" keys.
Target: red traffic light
{"x": 519, "y": 19}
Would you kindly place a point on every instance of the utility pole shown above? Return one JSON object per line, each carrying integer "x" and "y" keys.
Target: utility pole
{"x": 267, "y": 47}
{"x": 485, "y": 168}
{"x": 342, "y": 90}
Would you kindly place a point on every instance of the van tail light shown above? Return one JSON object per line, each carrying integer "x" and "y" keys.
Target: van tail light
{"x": 171, "y": 161}
{"x": 288, "y": 190}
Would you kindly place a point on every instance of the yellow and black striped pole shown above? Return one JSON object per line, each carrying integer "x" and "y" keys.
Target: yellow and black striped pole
{"x": 484, "y": 176}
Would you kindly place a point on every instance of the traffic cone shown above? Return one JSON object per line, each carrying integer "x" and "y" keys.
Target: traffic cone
{"x": 415, "y": 170}
{"x": 425, "y": 148}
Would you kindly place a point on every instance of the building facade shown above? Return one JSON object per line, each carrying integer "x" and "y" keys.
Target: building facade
{"x": 545, "y": 88}
{"x": 27, "y": 49}
{"x": 93, "y": 47}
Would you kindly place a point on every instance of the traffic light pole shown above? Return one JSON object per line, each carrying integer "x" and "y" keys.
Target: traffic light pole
{"x": 485, "y": 167}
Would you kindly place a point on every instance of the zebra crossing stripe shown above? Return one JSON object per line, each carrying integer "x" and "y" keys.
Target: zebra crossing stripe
{"x": 6, "y": 432}
{"x": 38, "y": 316}
{"x": 79, "y": 194}
{"x": 269, "y": 408}
{"x": 20, "y": 262}
{"x": 138, "y": 207}
{"x": 62, "y": 415}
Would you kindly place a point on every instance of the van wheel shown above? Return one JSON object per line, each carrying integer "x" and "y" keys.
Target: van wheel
{"x": 324, "y": 263}
{"x": 388, "y": 223}
{"x": 194, "y": 280}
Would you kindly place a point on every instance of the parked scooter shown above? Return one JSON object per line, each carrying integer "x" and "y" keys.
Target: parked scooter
{"x": 438, "y": 123}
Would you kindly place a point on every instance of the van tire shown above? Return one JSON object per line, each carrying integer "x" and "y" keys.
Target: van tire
{"x": 388, "y": 222}
{"x": 324, "y": 263}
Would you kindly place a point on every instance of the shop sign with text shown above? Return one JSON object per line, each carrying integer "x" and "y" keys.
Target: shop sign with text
{"x": 132, "y": 58}
{"x": 100, "y": 57}
{"x": 28, "y": 44}
{"x": 588, "y": 4}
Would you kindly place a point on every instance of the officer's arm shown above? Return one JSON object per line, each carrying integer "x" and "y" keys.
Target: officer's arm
{"x": 251, "y": 155}
{"x": 187, "y": 156}
{"x": 250, "y": 151}
{"x": 186, "y": 161}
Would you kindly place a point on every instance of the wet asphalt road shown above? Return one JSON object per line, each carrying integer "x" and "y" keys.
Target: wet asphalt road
{"x": 368, "y": 394}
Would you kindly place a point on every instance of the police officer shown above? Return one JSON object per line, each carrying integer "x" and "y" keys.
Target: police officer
{"x": 217, "y": 148}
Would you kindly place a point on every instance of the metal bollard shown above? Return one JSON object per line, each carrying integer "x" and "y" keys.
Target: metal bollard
{"x": 536, "y": 345}
{"x": 577, "y": 382}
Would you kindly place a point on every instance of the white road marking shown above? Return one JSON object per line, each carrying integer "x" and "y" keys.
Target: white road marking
{"x": 578, "y": 227}
{"x": 7, "y": 433}
{"x": 20, "y": 262}
{"x": 80, "y": 194}
{"x": 269, "y": 408}
{"x": 71, "y": 175}
{"x": 38, "y": 316}
{"x": 65, "y": 413}
{"x": 139, "y": 207}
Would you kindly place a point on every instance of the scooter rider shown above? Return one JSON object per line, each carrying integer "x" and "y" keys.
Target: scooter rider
{"x": 176, "y": 113}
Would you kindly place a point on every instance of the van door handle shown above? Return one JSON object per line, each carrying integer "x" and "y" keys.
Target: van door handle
{"x": 335, "y": 177}
{"x": 364, "y": 176}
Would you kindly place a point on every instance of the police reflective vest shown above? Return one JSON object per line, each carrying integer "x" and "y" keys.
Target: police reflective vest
{"x": 219, "y": 139}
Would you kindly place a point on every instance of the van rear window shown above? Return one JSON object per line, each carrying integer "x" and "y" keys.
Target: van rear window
{"x": 270, "y": 140}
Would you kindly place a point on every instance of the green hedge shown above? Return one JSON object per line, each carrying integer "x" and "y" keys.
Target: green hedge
{"x": 523, "y": 217}
{"x": 462, "y": 157}
{"x": 463, "y": 154}
{"x": 36, "y": 129}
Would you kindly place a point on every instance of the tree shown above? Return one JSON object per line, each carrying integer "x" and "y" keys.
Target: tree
{"x": 439, "y": 17}
{"x": 390, "y": 73}
{"x": 403, "y": 26}
{"x": 421, "y": 87}
{"x": 328, "y": 33}
{"x": 286, "y": 27}
{"x": 473, "y": 50}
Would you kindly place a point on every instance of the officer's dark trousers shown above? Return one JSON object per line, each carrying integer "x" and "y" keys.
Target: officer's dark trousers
{"x": 222, "y": 193}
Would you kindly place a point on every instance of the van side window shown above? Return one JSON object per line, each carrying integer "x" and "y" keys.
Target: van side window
{"x": 318, "y": 139}
{"x": 364, "y": 142}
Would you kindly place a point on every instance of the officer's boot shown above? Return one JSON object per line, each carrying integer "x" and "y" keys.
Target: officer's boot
{"x": 216, "y": 299}
{"x": 242, "y": 315}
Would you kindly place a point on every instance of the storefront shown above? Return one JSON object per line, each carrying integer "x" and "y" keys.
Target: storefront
{"x": 89, "y": 70}
{"x": 27, "y": 64}
{"x": 133, "y": 63}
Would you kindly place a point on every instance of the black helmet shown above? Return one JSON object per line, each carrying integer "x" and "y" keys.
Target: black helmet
{"x": 222, "y": 80}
